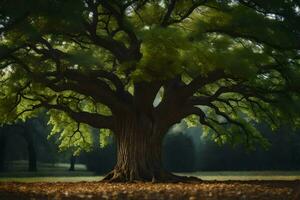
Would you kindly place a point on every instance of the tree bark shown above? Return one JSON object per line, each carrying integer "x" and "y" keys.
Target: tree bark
{"x": 139, "y": 153}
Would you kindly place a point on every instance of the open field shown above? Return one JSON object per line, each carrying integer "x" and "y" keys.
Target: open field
{"x": 22, "y": 165}
{"x": 246, "y": 175}
{"x": 56, "y": 182}
{"x": 59, "y": 173}
{"x": 77, "y": 176}
{"x": 46, "y": 172}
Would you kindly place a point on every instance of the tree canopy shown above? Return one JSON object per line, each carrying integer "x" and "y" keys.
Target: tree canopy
{"x": 96, "y": 63}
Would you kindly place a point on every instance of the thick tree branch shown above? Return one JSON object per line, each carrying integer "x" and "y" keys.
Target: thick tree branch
{"x": 167, "y": 16}
{"x": 144, "y": 96}
{"x": 77, "y": 82}
{"x": 202, "y": 118}
{"x": 117, "y": 48}
{"x": 168, "y": 20}
{"x": 92, "y": 119}
{"x": 203, "y": 80}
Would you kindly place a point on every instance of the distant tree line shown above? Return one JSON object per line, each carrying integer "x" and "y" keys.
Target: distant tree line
{"x": 29, "y": 141}
{"x": 184, "y": 149}
{"x": 188, "y": 150}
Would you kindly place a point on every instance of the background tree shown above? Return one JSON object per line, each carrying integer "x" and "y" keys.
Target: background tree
{"x": 28, "y": 134}
{"x": 178, "y": 153}
{"x": 20, "y": 131}
{"x": 3, "y": 137}
{"x": 27, "y": 141}
{"x": 96, "y": 63}
{"x": 282, "y": 154}
{"x": 189, "y": 149}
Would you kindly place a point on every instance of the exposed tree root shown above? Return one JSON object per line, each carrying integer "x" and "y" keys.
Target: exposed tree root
{"x": 185, "y": 179}
{"x": 116, "y": 176}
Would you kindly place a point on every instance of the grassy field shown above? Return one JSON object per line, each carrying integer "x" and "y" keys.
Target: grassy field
{"x": 19, "y": 169}
{"x": 59, "y": 173}
{"x": 246, "y": 175}
{"x": 88, "y": 176}
{"x": 56, "y": 182}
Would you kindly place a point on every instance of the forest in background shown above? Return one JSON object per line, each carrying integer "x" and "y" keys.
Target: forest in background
{"x": 184, "y": 150}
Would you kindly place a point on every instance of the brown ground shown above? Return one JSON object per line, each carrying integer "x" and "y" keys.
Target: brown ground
{"x": 207, "y": 190}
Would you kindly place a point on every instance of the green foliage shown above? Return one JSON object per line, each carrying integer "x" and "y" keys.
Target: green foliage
{"x": 83, "y": 58}
{"x": 245, "y": 21}
{"x": 72, "y": 135}
{"x": 192, "y": 121}
{"x": 58, "y": 55}
{"x": 162, "y": 54}
{"x": 105, "y": 137}
{"x": 150, "y": 15}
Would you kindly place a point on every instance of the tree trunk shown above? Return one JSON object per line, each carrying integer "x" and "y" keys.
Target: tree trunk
{"x": 2, "y": 150}
{"x": 72, "y": 163}
{"x": 139, "y": 145}
{"x": 31, "y": 157}
{"x": 32, "y": 167}
{"x": 138, "y": 152}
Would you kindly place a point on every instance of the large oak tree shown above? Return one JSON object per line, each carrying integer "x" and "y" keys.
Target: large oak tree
{"x": 137, "y": 67}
